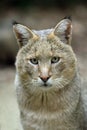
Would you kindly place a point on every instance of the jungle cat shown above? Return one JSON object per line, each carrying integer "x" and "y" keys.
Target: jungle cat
{"x": 48, "y": 84}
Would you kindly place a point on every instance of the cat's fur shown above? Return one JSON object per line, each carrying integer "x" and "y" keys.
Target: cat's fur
{"x": 48, "y": 84}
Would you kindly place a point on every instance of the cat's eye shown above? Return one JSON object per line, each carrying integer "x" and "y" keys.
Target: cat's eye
{"x": 34, "y": 61}
{"x": 55, "y": 60}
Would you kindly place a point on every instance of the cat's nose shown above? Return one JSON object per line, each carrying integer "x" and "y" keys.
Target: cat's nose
{"x": 44, "y": 79}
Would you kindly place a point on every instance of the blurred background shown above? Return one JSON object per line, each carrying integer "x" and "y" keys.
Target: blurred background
{"x": 35, "y": 14}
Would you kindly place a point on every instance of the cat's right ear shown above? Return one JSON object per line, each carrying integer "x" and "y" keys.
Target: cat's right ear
{"x": 23, "y": 34}
{"x": 63, "y": 31}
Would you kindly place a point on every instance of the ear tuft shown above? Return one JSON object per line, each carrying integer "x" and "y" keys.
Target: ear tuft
{"x": 68, "y": 17}
{"x": 14, "y": 22}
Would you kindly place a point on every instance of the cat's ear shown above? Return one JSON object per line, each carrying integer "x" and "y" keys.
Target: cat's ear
{"x": 23, "y": 34}
{"x": 63, "y": 30}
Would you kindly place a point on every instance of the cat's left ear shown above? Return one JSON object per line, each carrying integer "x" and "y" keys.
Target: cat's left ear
{"x": 23, "y": 34}
{"x": 64, "y": 30}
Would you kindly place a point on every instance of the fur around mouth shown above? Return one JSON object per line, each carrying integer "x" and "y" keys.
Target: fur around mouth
{"x": 46, "y": 85}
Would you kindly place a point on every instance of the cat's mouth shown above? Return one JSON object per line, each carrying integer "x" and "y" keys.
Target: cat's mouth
{"x": 46, "y": 85}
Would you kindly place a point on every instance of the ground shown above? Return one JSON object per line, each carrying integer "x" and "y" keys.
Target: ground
{"x": 9, "y": 113}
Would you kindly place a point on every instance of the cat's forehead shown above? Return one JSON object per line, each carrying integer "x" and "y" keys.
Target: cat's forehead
{"x": 42, "y": 47}
{"x": 44, "y": 44}
{"x": 43, "y": 33}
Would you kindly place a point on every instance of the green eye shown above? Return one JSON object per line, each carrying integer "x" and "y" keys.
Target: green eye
{"x": 34, "y": 61}
{"x": 55, "y": 60}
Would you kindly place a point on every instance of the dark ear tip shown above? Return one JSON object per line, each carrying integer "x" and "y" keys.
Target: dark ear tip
{"x": 68, "y": 17}
{"x": 14, "y": 22}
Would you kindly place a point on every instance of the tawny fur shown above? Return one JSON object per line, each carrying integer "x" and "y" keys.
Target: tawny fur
{"x": 58, "y": 105}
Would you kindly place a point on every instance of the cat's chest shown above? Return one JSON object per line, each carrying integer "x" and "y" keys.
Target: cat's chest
{"x": 45, "y": 121}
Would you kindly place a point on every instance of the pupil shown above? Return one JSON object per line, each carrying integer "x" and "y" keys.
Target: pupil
{"x": 35, "y": 61}
{"x": 55, "y": 58}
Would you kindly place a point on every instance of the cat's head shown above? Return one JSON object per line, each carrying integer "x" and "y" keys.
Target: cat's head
{"x": 45, "y": 59}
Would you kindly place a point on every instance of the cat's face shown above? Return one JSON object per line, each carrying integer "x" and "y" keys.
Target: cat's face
{"x": 46, "y": 62}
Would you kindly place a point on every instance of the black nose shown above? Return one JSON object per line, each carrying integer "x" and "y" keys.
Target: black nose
{"x": 44, "y": 79}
